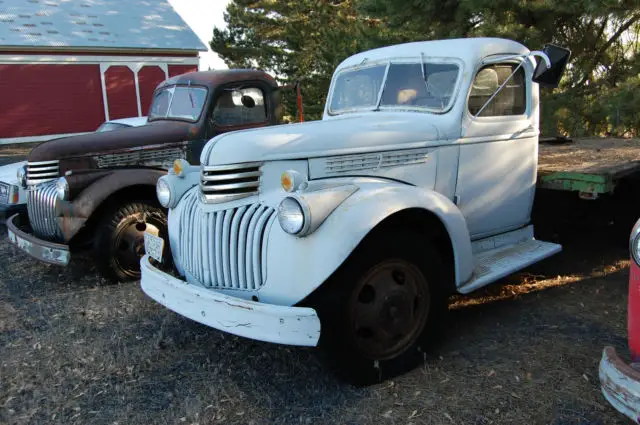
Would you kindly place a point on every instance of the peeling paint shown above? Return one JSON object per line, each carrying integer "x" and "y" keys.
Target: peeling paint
{"x": 620, "y": 384}
{"x": 265, "y": 322}
{"x": 42, "y": 250}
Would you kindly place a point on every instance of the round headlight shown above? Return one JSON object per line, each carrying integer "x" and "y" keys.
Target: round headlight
{"x": 291, "y": 216}
{"x": 163, "y": 192}
{"x": 21, "y": 174}
{"x": 62, "y": 188}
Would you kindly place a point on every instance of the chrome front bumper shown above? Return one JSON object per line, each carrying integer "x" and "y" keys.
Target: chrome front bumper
{"x": 49, "y": 252}
{"x": 620, "y": 384}
{"x": 249, "y": 319}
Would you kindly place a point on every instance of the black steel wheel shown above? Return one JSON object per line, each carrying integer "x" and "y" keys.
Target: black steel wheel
{"x": 381, "y": 309}
{"x": 388, "y": 309}
{"x": 119, "y": 240}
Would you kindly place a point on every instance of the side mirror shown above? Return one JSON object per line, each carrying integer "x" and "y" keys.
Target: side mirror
{"x": 549, "y": 75}
{"x": 247, "y": 101}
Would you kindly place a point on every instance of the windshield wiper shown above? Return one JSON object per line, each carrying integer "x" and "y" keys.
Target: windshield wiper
{"x": 193, "y": 104}
{"x": 381, "y": 91}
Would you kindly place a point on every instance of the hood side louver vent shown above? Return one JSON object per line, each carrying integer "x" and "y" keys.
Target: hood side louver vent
{"x": 371, "y": 161}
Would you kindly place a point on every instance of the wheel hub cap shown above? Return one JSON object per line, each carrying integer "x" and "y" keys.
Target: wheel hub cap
{"x": 389, "y": 309}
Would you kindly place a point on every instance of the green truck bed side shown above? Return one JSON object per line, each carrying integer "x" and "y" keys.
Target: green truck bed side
{"x": 591, "y": 166}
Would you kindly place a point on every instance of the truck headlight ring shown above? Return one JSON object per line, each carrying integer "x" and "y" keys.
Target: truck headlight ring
{"x": 62, "y": 189}
{"x": 291, "y": 215}
{"x": 163, "y": 192}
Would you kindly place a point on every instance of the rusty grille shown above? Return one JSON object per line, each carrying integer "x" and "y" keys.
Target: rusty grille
{"x": 41, "y": 204}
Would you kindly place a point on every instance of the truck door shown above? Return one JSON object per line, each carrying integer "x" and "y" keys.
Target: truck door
{"x": 498, "y": 149}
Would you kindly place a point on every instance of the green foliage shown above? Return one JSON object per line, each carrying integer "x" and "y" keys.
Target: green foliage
{"x": 600, "y": 89}
{"x": 307, "y": 39}
{"x": 296, "y": 40}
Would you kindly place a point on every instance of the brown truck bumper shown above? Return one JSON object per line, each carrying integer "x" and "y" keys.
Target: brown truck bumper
{"x": 49, "y": 252}
{"x": 620, "y": 384}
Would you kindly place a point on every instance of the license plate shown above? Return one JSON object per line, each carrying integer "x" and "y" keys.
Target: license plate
{"x": 153, "y": 246}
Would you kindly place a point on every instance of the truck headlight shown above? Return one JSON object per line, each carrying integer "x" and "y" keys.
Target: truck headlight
{"x": 163, "y": 192}
{"x": 321, "y": 198}
{"x": 291, "y": 216}
{"x": 62, "y": 188}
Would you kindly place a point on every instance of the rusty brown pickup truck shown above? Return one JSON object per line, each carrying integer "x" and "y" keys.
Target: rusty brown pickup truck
{"x": 98, "y": 190}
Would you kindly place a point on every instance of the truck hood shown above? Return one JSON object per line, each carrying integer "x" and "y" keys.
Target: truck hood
{"x": 361, "y": 133}
{"x": 155, "y": 133}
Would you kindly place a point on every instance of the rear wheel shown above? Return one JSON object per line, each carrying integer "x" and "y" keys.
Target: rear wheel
{"x": 119, "y": 240}
{"x": 382, "y": 308}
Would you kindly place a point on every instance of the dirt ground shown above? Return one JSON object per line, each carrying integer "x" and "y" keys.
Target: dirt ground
{"x": 77, "y": 350}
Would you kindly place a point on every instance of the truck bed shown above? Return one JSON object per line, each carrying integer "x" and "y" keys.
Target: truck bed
{"x": 591, "y": 166}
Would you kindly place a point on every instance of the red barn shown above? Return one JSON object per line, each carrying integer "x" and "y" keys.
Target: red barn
{"x": 68, "y": 66}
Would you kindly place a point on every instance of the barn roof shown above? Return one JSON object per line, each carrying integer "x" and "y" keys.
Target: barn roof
{"x": 95, "y": 24}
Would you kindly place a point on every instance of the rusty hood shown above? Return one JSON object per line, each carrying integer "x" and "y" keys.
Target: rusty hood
{"x": 154, "y": 133}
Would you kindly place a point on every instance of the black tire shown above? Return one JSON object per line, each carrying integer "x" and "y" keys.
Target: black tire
{"x": 118, "y": 244}
{"x": 412, "y": 304}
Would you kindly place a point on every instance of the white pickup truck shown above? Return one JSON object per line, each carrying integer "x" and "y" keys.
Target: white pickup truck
{"x": 350, "y": 232}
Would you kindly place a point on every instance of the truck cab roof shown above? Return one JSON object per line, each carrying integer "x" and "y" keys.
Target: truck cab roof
{"x": 214, "y": 78}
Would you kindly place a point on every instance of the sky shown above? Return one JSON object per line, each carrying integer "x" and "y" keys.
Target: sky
{"x": 202, "y": 16}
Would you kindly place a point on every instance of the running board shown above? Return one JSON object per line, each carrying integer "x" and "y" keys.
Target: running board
{"x": 497, "y": 263}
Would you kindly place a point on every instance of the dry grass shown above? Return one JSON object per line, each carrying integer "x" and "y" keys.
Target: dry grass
{"x": 76, "y": 350}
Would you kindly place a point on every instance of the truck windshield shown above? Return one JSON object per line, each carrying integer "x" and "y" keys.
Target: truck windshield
{"x": 429, "y": 86}
{"x": 178, "y": 102}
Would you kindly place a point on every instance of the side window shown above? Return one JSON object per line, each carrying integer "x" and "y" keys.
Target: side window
{"x": 239, "y": 106}
{"x": 512, "y": 98}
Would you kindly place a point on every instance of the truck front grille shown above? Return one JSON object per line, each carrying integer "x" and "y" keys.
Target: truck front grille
{"x": 224, "y": 249}
{"x": 224, "y": 183}
{"x": 41, "y": 203}
{"x": 43, "y": 171}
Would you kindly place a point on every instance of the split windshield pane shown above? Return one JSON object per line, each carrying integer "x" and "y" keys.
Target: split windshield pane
{"x": 406, "y": 85}
{"x": 180, "y": 102}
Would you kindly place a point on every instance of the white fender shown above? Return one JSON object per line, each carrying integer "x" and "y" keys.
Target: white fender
{"x": 296, "y": 266}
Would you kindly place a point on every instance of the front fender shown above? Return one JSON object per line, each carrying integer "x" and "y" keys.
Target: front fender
{"x": 297, "y": 266}
{"x": 73, "y": 215}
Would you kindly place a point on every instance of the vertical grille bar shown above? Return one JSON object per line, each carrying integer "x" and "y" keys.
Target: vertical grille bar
{"x": 257, "y": 242}
{"x": 226, "y": 266}
{"x": 242, "y": 259}
{"x": 233, "y": 246}
{"x": 249, "y": 247}
{"x": 218, "y": 247}
{"x": 208, "y": 246}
